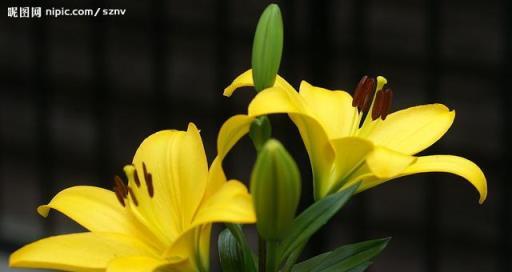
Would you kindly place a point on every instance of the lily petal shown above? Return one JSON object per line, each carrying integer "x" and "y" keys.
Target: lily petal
{"x": 229, "y": 134}
{"x": 320, "y": 151}
{"x": 231, "y": 203}
{"x": 333, "y": 109}
{"x": 177, "y": 163}
{"x": 98, "y": 210}
{"x": 144, "y": 264}
{"x": 194, "y": 243}
{"x": 386, "y": 163}
{"x": 454, "y": 165}
{"x": 433, "y": 163}
{"x": 231, "y": 131}
{"x": 245, "y": 80}
{"x": 414, "y": 129}
{"x": 81, "y": 252}
{"x": 351, "y": 153}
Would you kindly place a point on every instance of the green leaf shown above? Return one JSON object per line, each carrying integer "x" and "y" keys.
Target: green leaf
{"x": 230, "y": 253}
{"x": 360, "y": 268}
{"x": 267, "y": 47}
{"x": 310, "y": 264}
{"x": 237, "y": 232}
{"x": 314, "y": 217}
{"x": 349, "y": 258}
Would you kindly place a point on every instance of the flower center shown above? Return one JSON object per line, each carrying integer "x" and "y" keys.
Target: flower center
{"x": 372, "y": 99}
{"x": 381, "y": 100}
{"x": 124, "y": 191}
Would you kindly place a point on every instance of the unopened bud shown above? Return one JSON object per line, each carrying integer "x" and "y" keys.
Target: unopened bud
{"x": 267, "y": 48}
{"x": 275, "y": 187}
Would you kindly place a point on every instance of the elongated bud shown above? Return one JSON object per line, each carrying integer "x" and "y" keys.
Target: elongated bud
{"x": 260, "y": 131}
{"x": 267, "y": 48}
{"x": 275, "y": 187}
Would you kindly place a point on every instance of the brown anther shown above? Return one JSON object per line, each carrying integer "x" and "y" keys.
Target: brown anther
{"x": 388, "y": 99}
{"x": 149, "y": 184}
{"x": 368, "y": 88}
{"x": 358, "y": 91}
{"x": 118, "y": 181}
{"x": 144, "y": 170}
{"x": 119, "y": 195}
{"x": 136, "y": 178}
{"x": 363, "y": 93}
{"x": 132, "y": 195}
{"x": 377, "y": 106}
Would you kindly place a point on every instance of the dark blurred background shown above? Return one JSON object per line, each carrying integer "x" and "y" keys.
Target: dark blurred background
{"x": 78, "y": 94}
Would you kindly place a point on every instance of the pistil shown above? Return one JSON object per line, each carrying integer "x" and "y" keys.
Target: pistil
{"x": 132, "y": 195}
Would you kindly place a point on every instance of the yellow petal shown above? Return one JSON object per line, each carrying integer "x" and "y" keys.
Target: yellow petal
{"x": 231, "y": 203}
{"x": 277, "y": 100}
{"x": 195, "y": 245}
{"x": 245, "y": 80}
{"x": 145, "y": 264}
{"x": 414, "y": 129}
{"x": 177, "y": 163}
{"x": 385, "y": 163}
{"x": 203, "y": 237}
{"x": 231, "y": 131}
{"x": 351, "y": 153}
{"x": 333, "y": 109}
{"x": 81, "y": 252}
{"x": 320, "y": 151}
{"x": 97, "y": 210}
{"x": 454, "y": 165}
{"x": 229, "y": 134}
{"x": 216, "y": 178}
{"x": 434, "y": 163}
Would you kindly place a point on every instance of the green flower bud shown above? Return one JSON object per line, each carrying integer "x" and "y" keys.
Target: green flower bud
{"x": 260, "y": 131}
{"x": 275, "y": 188}
{"x": 267, "y": 48}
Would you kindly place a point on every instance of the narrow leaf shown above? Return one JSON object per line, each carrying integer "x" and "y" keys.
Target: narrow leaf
{"x": 349, "y": 258}
{"x": 230, "y": 254}
{"x": 314, "y": 217}
{"x": 237, "y": 232}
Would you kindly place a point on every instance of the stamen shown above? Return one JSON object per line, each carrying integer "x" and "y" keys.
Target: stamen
{"x": 136, "y": 177}
{"x": 134, "y": 199}
{"x": 149, "y": 180}
{"x": 145, "y": 170}
{"x": 119, "y": 195}
{"x": 363, "y": 93}
{"x": 368, "y": 95}
{"x": 149, "y": 185}
{"x": 120, "y": 184}
{"x": 377, "y": 106}
{"x": 388, "y": 99}
{"x": 358, "y": 91}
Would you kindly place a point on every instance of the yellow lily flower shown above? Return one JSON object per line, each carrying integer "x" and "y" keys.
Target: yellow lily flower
{"x": 343, "y": 147}
{"x": 161, "y": 220}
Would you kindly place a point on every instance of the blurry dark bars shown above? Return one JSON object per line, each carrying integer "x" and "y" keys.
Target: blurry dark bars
{"x": 224, "y": 37}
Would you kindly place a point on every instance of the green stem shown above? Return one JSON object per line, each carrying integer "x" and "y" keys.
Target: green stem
{"x": 262, "y": 252}
{"x": 272, "y": 258}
